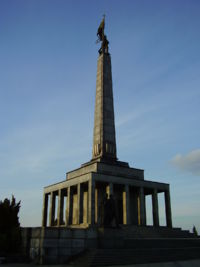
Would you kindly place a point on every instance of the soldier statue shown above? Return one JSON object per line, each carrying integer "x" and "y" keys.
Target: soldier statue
{"x": 102, "y": 37}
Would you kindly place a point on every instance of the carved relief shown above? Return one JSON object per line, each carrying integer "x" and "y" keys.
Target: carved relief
{"x": 97, "y": 150}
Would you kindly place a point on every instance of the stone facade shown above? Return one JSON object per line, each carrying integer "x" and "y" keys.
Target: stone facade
{"x": 78, "y": 201}
{"x": 56, "y": 245}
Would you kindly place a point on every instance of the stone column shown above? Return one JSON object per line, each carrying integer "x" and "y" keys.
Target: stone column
{"x": 80, "y": 203}
{"x": 69, "y": 206}
{"x": 168, "y": 209}
{"x": 126, "y": 205}
{"x": 100, "y": 196}
{"x": 91, "y": 202}
{"x": 109, "y": 189}
{"x": 60, "y": 207}
{"x": 142, "y": 208}
{"x": 52, "y": 209}
{"x": 97, "y": 200}
{"x": 155, "y": 208}
{"x": 45, "y": 210}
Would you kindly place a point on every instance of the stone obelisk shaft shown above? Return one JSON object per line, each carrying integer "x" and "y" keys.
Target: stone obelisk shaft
{"x": 104, "y": 142}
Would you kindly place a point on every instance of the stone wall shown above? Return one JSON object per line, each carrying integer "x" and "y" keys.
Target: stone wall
{"x": 56, "y": 245}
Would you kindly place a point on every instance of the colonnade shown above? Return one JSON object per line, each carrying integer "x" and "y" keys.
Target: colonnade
{"x": 81, "y": 204}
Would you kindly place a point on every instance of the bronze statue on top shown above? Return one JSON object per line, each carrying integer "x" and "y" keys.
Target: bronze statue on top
{"x": 102, "y": 37}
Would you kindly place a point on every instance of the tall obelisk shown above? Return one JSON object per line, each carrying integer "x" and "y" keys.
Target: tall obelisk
{"x": 104, "y": 141}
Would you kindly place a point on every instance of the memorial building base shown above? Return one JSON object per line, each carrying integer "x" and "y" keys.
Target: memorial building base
{"x": 95, "y": 246}
{"x": 79, "y": 200}
{"x": 74, "y": 210}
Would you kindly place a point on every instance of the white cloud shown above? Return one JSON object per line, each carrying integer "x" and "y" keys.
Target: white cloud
{"x": 189, "y": 162}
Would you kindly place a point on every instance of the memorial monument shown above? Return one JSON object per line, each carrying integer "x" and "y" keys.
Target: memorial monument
{"x": 83, "y": 192}
{"x": 100, "y": 209}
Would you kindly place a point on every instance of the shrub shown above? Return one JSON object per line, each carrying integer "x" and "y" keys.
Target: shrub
{"x": 9, "y": 225}
{"x": 194, "y": 230}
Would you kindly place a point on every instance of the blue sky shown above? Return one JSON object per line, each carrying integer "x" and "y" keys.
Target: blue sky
{"x": 48, "y": 60}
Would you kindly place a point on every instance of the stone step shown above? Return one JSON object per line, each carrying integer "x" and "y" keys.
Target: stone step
{"x": 148, "y": 231}
{"x": 109, "y": 242}
{"x": 161, "y": 243}
{"x": 15, "y": 258}
{"x": 163, "y": 234}
{"x": 2, "y": 260}
{"x": 105, "y": 257}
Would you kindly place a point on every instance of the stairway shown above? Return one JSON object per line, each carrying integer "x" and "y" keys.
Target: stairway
{"x": 156, "y": 232}
{"x": 155, "y": 250}
{"x": 106, "y": 257}
{"x": 130, "y": 245}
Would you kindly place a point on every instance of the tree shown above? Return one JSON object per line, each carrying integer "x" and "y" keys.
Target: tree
{"x": 194, "y": 230}
{"x": 9, "y": 225}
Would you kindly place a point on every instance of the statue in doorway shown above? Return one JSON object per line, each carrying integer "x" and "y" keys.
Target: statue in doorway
{"x": 106, "y": 213}
{"x": 110, "y": 212}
